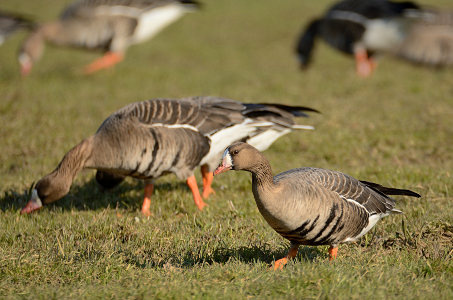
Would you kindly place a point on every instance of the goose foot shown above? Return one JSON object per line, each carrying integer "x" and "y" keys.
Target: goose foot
{"x": 333, "y": 253}
{"x": 279, "y": 264}
{"x": 192, "y": 183}
{"x": 106, "y": 61}
{"x": 147, "y": 200}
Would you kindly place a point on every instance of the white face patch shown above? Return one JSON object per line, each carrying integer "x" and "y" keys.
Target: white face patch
{"x": 227, "y": 161}
{"x": 35, "y": 197}
{"x": 24, "y": 59}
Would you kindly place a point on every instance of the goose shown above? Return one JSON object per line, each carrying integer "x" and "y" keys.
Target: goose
{"x": 311, "y": 206}
{"x": 109, "y": 25}
{"x": 148, "y": 139}
{"x": 10, "y": 23}
{"x": 366, "y": 28}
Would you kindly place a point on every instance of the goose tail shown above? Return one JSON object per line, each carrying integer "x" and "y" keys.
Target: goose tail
{"x": 390, "y": 191}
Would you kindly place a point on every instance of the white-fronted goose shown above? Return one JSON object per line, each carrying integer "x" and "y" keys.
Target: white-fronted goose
{"x": 10, "y": 23}
{"x": 310, "y": 206}
{"x": 366, "y": 28}
{"x": 109, "y": 25}
{"x": 149, "y": 139}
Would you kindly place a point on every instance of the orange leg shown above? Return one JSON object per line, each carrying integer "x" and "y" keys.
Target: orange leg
{"x": 333, "y": 253}
{"x": 192, "y": 183}
{"x": 207, "y": 181}
{"x": 278, "y": 265}
{"x": 364, "y": 65}
{"x": 106, "y": 61}
{"x": 149, "y": 187}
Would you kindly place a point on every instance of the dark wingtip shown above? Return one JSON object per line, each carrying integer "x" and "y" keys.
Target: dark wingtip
{"x": 390, "y": 191}
{"x": 297, "y": 111}
{"x": 195, "y": 4}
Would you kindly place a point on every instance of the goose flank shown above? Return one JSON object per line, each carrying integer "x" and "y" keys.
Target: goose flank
{"x": 108, "y": 25}
{"x": 311, "y": 206}
{"x": 148, "y": 139}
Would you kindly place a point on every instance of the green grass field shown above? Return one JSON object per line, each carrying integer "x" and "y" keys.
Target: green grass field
{"x": 395, "y": 128}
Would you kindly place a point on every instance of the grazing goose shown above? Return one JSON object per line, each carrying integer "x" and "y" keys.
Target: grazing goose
{"x": 109, "y": 25}
{"x": 9, "y": 23}
{"x": 310, "y": 206}
{"x": 148, "y": 139}
{"x": 364, "y": 28}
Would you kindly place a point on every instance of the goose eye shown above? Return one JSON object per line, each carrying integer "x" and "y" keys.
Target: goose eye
{"x": 235, "y": 152}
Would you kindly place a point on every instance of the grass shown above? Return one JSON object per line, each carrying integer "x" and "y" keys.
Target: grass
{"x": 395, "y": 128}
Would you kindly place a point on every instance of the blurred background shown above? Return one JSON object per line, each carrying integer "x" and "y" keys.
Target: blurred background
{"x": 394, "y": 128}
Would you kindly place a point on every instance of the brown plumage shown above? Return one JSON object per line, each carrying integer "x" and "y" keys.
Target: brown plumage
{"x": 148, "y": 139}
{"x": 108, "y": 25}
{"x": 311, "y": 206}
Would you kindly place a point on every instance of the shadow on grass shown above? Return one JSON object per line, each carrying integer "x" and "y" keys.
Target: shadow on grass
{"x": 249, "y": 255}
{"x": 90, "y": 196}
{"x": 222, "y": 255}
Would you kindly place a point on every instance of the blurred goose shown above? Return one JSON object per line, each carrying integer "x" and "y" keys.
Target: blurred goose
{"x": 10, "y": 23}
{"x": 364, "y": 28}
{"x": 310, "y": 206}
{"x": 109, "y": 25}
{"x": 148, "y": 139}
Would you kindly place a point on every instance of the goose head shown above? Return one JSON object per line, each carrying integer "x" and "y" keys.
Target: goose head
{"x": 239, "y": 156}
{"x": 33, "y": 46}
{"x": 30, "y": 52}
{"x": 49, "y": 189}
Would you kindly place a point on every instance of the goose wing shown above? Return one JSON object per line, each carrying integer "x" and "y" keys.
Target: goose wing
{"x": 368, "y": 195}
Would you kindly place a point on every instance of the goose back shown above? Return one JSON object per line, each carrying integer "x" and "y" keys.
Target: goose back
{"x": 115, "y": 24}
{"x": 150, "y": 138}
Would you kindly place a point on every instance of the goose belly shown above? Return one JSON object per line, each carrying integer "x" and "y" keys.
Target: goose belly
{"x": 383, "y": 35}
{"x": 150, "y": 23}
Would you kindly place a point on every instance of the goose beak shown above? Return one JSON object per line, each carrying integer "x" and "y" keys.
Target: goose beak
{"x": 226, "y": 165}
{"x": 33, "y": 204}
{"x": 25, "y": 70}
{"x": 25, "y": 64}
{"x": 222, "y": 168}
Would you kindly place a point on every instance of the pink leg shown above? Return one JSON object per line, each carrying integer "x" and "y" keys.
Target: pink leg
{"x": 192, "y": 183}
{"x": 207, "y": 181}
{"x": 364, "y": 65}
{"x": 149, "y": 187}
{"x": 333, "y": 252}
{"x": 278, "y": 265}
{"x": 106, "y": 61}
